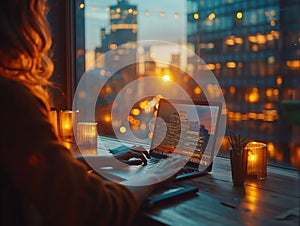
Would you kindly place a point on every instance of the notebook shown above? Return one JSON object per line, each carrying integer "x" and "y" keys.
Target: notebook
{"x": 185, "y": 128}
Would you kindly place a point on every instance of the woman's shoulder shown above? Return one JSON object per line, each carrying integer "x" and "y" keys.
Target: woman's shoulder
{"x": 14, "y": 94}
{"x": 16, "y": 90}
{"x": 11, "y": 85}
{"x": 10, "y": 88}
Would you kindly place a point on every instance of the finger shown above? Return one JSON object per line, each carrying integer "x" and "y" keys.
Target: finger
{"x": 142, "y": 150}
{"x": 139, "y": 156}
{"x": 125, "y": 155}
{"x": 135, "y": 162}
{"x": 126, "y": 162}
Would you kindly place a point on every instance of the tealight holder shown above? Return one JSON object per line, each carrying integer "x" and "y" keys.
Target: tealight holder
{"x": 257, "y": 160}
{"x": 86, "y": 138}
{"x": 67, "y": 123}
{"x": 53, "y": 119}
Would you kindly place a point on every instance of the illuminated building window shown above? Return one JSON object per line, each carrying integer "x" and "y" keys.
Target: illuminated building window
{"x": 253, "y": 96}
{"x": 197, "y": 90}
{"x": 231, "y": 64}
{"x": 211, "y": 45}
{"x": 293, "y": 64}
{"x": 239, "y": 15}
{"x": 276, "y": 34}
{"x": 81, "y": 5}
{"x": 238, "y": 40}
{"x": 135, "y": 112}
{"x": 276, "y": 92}
{"x": 143, "y": 126}
{"x": 116, "y": 58}
{"x": 261, "y": 39}
{"x": 232, "y": 90}
{"x": 269, "y": 105}
{"x": 255, "y": 48}
{"x": 186, "y": 78}
{"x": 123, "y": 129}
{"x": 113, "y": 46}
{"x": 252, "y": 38}
{"x": 273, "y": 23}
{"x": 115, "y": 16}
{"x": 211, "y": 66}
{"x": 269, "y": 92}
{"x": 269, "y": 37}
{"x": 229, "y": 41}
{"x": 115, "y": 27}
{"x": 271, "y": 60}
{"x": 211, "y": 16}
{"x": 279, "y": 80}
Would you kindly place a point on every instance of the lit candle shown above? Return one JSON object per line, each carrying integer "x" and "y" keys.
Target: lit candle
{"x": 67, "y": 120}
{"x": 257, "y": 160}
{"x": 86, "y": 137}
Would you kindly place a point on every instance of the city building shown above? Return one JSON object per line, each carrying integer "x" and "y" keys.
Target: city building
{"x": 252, "y": 48}
{"x": 114, "y": 58}
{"x": 123, "y": 29}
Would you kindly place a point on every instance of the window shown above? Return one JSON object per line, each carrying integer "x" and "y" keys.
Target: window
{"x": 251, "y": 48}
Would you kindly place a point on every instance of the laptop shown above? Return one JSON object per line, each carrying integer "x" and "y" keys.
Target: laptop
{"x": 185, "y": 128}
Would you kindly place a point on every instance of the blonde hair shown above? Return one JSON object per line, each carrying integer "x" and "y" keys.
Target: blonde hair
{"x": 24, "y": 44}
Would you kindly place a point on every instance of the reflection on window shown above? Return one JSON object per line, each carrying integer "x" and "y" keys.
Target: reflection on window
{"x": 252, "y": 47}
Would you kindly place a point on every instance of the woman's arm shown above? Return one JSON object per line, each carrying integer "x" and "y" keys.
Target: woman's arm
{"x": 51, "y": 181}
{"x": 46, "y": 176}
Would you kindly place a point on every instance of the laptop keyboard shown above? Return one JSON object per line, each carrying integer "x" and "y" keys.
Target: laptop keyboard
{"x": 184, "y": 171}
{"x": 152, "y": 161}
{"x": 150, "y": 164}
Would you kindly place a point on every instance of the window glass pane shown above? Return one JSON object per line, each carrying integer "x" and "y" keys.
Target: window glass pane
{"x": 252, "y": 47}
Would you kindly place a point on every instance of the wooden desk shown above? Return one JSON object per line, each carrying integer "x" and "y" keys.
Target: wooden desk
{"x": 274, "y": 201}
{"x": 271, "y": 202}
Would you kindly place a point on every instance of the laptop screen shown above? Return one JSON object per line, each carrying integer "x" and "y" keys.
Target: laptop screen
{"x": 186, "y": 128}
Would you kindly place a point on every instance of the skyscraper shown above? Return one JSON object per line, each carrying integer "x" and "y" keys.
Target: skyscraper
{"x": 253, "y": 49}
{"x": 123, "y": 27}
{"x": 119, "y": 60}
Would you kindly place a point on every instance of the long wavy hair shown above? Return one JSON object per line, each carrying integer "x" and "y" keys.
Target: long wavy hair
{"x": 25, "y": 40}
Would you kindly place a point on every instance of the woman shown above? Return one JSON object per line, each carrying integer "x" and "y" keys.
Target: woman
{"x": 41, "y": 182}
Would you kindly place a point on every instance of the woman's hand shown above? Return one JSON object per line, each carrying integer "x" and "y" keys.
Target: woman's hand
{"x": 161, "y": 172}
{"x": 135, "y": 155}
{"x": 145, "y": 182}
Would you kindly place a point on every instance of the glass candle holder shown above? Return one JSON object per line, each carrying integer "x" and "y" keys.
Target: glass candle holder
{"x": 257, "y": 160}
{"x": 67, "y": 120}
{"x": 86, "y": 137}
{"x": 53, "y": 119}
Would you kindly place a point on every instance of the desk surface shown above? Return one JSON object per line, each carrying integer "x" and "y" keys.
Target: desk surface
{"x": 274, "y": 201}
{"x": 271, "y": 202}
